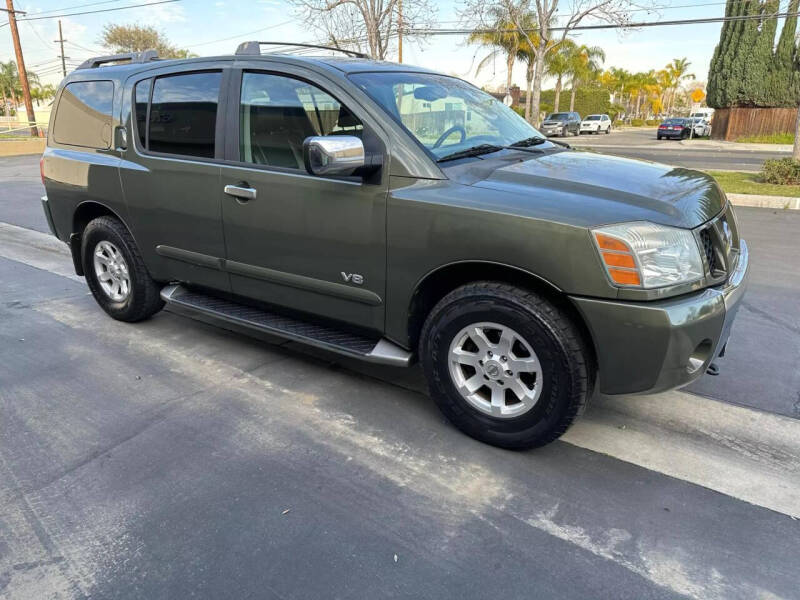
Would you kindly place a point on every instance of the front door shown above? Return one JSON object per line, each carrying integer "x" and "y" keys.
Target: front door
{"x": 311, "y": 244}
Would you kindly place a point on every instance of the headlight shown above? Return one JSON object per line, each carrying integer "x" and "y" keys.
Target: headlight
{"x": 647, "y": 255}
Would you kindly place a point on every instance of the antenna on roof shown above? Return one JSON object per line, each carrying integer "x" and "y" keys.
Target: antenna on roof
{"x": 253, "y": 48}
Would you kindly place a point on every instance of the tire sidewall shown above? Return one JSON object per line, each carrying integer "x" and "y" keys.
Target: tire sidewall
{"x": 96, "y": 232}
{"x": 558, "y": 387}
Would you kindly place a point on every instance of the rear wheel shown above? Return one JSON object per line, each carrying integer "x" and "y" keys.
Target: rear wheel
{"x": 658, "y": 137}
{"x": 115, "y": 271}
{"x": 608, "y": 129}
{"x": 505, "y": 365}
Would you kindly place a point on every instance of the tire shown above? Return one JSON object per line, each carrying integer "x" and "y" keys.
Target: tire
{"x": 658, "y": 137}
{"x": 564, "y": 132}
{"x": 608, "y": 129}
{"x": 106, "y": 235}
{"x": 563, "y": 384}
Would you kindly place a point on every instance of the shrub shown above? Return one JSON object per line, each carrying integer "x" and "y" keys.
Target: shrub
{"x": 638, "y": 122}
{"x": 653, "y": 122}
{"x": 588, "y": 101}
{"x": 520, "y": 110}
{"x": 781, "y": 171}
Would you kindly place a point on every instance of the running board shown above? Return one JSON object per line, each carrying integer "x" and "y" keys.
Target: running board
{"x": 249, "y": 319}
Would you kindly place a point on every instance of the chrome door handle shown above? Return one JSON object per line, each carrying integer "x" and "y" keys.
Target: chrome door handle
{"x": 241, "y": 193}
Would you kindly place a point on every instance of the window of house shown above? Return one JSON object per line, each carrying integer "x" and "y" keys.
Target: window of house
{"x": 183, "y": 114}
{"x": 84, "y": 114}
{"x": 278, "y": 113}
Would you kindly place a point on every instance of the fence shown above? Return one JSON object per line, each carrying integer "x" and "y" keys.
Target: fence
{"x": 733, "y": 123}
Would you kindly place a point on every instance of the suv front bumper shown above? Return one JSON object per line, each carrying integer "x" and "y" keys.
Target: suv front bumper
{"x": 650, "y": 347}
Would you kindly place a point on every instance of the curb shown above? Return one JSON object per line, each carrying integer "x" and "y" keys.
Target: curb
{"x": 760, "y": 201}
{"x": 711, "y": 145}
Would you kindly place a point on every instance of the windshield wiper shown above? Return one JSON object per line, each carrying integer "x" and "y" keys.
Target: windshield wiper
{"x": 531, "y": 141}
{"x": 472, "y": 151}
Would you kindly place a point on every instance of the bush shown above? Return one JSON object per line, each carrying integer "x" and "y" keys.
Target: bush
{"x": 520, "y": 110}
{"x": 638, "y": 122}
{"x": 653, "y": 122}
{"x": 781, "y": 171}
{"x": 588, "y": 101}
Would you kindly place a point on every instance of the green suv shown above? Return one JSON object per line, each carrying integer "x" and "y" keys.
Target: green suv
{"x": 392, "y": 214}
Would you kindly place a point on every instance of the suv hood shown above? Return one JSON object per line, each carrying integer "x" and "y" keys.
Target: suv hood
{"x": 589, "y": 189}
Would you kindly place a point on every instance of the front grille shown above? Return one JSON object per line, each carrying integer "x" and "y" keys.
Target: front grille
{"x": 708, "y": 250}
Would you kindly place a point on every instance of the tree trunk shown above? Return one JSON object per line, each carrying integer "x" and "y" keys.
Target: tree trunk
{"x": 557, "y": 98}
{"x": 638, "y": 104}
{"x": 796, "y": 150}
{"x": 537, "y": 83}
{"x": 572, "y": 99}
{"x": 510, "y": 64}
{"x": 528, "y": 88}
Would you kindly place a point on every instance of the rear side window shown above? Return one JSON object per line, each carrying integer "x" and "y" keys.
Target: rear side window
{"x": 183, "y": 114}
{"x": 83, "y": 117}
{"x": 142, "y": 97}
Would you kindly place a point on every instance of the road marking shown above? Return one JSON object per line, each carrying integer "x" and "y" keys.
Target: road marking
{"x": 743, "y": 453}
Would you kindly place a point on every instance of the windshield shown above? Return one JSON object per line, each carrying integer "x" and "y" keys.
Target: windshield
{"x": 444, "y": 114}
{"x": 592, "y": 118}
{"x": 558, "y": 117}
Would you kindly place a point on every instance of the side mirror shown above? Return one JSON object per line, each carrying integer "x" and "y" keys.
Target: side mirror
{"x": 333, "y": 154}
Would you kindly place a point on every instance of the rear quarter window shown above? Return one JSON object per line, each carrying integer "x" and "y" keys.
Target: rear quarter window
{"x": 84, "y": 114}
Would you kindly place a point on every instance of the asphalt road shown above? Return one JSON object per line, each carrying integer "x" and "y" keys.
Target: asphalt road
{"x": 171, "y": 459}
{"x": 642, "y": 144}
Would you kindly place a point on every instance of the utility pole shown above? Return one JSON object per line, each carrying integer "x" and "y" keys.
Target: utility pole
{"x": 23, "y": 74}
{"x": 399, "y": 31}
{"x": 61, "y": 41}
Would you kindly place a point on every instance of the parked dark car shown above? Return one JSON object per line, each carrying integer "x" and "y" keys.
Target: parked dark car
{"x": 562, "y": 124}
{"x": 674, "y": 128}
{"x": 391, "y": 214}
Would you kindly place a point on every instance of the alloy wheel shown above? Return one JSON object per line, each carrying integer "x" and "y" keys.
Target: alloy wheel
{"x": 111, "y": 271}
{"x": 495, "y": 370}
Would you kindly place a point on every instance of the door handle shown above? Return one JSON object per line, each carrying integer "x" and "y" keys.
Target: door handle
{"x": 240, "y": 192}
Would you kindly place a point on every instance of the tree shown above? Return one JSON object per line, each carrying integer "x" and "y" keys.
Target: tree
{"x": 138, "y": 38}
{"x": 558, "y": 66}
{"x": 584, "y": 66}
{"x": 678, "y": 71}
{"x": 748, "y": 69}
{"x": 502, "y": 38}
{"x": 362, "y": 24}
{"x": 543, "y": 39}
{"x": 11, "y": 85}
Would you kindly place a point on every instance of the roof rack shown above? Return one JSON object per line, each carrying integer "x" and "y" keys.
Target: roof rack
{"x": 254, "y": 48}
{"x": 131, "y": 57}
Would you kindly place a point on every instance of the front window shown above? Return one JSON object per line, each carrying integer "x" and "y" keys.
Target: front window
{"x": 558, "y": 117}
{"x": 444, "y": 114}
{"x": 593, "y": 118}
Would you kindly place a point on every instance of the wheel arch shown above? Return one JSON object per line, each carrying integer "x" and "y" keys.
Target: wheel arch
{"x": 83, "y": 214}
{"x": 439, "y": 282}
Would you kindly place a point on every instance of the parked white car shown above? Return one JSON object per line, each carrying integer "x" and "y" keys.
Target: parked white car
{"x": 701, "y": 127}
{"x": 596, "y": 124}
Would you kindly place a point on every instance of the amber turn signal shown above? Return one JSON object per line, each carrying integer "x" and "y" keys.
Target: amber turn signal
{"x": 619, "y": 261}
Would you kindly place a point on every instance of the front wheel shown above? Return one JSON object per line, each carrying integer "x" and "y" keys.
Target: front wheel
{"x": 115, "y": 272}
{"x": 505, "y": 365}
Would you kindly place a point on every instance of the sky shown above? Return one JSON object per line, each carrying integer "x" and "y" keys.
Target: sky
{"x": 214, "y": 27}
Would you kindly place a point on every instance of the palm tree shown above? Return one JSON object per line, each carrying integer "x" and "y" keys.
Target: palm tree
{"x": 557, "y": 64}
{"x": 679, "y": 71}
{"x": 9, "y": 83}
{"x": 584, "y": 66}
{"x": 503, "y": 38}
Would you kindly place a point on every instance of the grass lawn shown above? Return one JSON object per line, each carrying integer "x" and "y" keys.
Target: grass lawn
{"x": 775, "y": 138}
{"x": 735, "y": 182}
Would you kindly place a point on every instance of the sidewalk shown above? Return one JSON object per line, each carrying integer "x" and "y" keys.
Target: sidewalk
{"x": 718, "y": 145}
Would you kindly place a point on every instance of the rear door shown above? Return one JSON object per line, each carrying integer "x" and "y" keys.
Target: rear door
{"x": 307, "y": 243}
{"x": 171, "y": 177}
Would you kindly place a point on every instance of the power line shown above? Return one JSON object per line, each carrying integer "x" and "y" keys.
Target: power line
{"x": 52, "y": 10}
{"x": 239, "y": 35}
{"x": 91, "y": 12}
{"x": 419, "y": 31}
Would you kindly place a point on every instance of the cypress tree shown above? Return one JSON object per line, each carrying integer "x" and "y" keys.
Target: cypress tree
{"x": 745, "y": 71}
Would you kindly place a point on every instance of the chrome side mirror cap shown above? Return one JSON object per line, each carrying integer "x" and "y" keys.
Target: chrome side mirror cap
{"x": 333, "y": 154}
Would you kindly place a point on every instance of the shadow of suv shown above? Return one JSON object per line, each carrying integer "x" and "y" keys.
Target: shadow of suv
{"x": 391, "y": 213}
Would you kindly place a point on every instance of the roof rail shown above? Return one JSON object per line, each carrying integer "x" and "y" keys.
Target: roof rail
{"x": 254, "y": 48}
{"x": 131, "y": 57}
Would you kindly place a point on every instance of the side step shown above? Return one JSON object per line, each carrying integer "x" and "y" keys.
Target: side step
{"x": 250, "y": 319}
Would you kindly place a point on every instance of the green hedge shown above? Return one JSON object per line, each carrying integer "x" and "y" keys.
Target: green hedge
{"x": 782, "y": 171}
{"x": 588, "y": 101}
{"x": 638, "y": 122}
{"x": 652, "y": 122}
